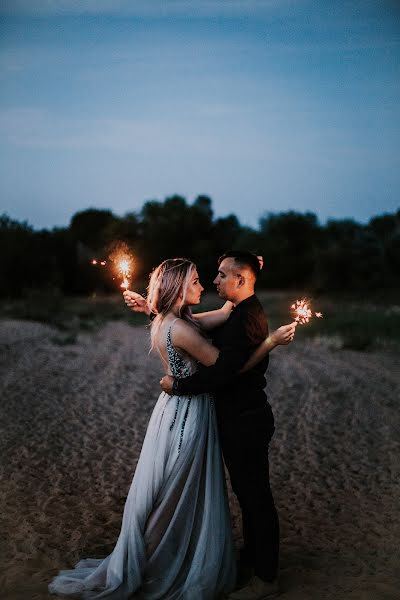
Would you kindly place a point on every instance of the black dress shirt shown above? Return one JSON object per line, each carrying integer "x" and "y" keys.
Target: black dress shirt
{"x": 236, "y": 340}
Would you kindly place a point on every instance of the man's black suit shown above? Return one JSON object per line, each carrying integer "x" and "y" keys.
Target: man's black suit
{"x": 246, "y": 425}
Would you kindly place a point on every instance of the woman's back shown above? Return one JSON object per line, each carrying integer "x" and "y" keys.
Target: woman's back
{"x": 176, "y": 362}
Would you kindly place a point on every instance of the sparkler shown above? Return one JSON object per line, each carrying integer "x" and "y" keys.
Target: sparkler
{"x": 124, "y": 267}
{"x": 302, "y": 312}
{"x": 123, "y": 262}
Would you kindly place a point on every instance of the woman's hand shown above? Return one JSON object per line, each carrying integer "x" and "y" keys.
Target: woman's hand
{"x": 214, "y": 318}
{"x": 136, "y": 302}
{"x": 227, "y": 307}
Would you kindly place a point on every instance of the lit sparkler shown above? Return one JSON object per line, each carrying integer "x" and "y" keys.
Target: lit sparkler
{"x": 124, "y": 267}
{"x": 302, "y": 312}
{"x": 123, "y": 262}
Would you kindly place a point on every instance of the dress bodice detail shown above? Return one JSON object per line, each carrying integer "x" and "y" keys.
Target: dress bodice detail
{"x": 179, "y": 366}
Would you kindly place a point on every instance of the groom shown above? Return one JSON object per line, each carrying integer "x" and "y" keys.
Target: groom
{"x": 245, "y": 419}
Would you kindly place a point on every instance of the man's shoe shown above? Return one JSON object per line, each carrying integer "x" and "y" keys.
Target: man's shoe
{"x": 256, "y": 589}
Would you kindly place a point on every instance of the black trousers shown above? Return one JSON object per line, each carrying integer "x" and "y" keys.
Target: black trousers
{"x": 245, "y": 443}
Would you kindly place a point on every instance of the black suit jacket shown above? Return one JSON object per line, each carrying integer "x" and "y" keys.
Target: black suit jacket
{"x": 235, "y": 394}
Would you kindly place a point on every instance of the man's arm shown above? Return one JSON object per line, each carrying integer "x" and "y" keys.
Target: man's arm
{"x": 233, "y": 355}
{"x": 280, "y": 337}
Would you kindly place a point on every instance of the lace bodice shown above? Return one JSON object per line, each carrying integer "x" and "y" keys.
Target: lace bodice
{"x": 180, "y": 366}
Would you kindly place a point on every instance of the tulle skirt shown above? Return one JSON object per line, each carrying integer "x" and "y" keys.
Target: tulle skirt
{"x": 176, "y": 539}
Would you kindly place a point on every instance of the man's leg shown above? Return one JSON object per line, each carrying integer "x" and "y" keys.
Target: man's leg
{"x": 246, "y": 457}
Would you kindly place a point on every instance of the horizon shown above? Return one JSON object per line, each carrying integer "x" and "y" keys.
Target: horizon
{"x": 255, "y": 227}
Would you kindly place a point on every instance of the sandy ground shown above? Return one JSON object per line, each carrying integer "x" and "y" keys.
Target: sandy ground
{"x": 73, "y": 419}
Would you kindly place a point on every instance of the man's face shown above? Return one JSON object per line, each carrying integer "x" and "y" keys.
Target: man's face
{"x": 227, "y": 279}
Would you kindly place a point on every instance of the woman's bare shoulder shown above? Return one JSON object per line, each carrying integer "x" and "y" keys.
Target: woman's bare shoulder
{"x": 188, "y": 338}
{"x": 180, "y": 327}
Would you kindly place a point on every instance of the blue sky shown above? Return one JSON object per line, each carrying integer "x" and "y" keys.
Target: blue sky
{"x": 264, "y": 105}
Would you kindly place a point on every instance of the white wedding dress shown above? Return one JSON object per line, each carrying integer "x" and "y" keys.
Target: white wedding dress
{"x": 176, "y": 540}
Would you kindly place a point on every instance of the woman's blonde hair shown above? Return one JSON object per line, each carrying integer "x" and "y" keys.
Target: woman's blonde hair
{"x": 169, "y": 282}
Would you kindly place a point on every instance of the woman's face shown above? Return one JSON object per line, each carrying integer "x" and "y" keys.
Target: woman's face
{"x": 194, "y": 289}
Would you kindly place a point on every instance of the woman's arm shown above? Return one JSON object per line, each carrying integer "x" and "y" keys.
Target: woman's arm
{"x": 136, "y": 302}
{"x": 208, "y": 320}
{"x": 214, "y": 318}
{"x": 192, "y": 342}
{"x": 281, "y": 337}
{"x": 186, "y": 337}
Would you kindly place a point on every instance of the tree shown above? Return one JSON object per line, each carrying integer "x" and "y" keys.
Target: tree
{"x": 289, "y": 243}
{"x": 15, "y": 242}
{"x": 90, "y": 227}
{"x": 352, "y": 258}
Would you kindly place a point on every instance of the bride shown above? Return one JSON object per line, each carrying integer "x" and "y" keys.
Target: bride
{"x": 176, "y": 540}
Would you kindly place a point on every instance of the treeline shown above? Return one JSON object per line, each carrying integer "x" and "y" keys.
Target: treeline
{"x": 298, "y": 252}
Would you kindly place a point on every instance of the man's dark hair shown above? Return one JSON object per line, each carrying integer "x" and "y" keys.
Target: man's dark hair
{"x": 243, "y": 258}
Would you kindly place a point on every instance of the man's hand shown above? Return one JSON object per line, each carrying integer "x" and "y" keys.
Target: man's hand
{"x": 284, "y": 335}
{"x": 166, "y": 384}
{"x": 136, "y": 302}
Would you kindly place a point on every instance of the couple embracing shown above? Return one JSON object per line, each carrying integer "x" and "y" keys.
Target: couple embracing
{"x": 176, "y": 539}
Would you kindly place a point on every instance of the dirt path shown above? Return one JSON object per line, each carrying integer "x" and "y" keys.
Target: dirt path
{"x": 72, "y": 423}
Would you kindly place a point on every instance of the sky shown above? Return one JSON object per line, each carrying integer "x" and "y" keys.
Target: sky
{"x": 263, "y": 105}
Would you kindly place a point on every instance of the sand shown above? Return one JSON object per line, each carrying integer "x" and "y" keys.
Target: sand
{"x": 73, "y": 418}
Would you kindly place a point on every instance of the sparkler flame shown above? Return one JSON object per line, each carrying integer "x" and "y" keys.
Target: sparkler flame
{"x": 123, "y": 262}
{"x": 124, "y": 267}
{"x": 302, "y": 312}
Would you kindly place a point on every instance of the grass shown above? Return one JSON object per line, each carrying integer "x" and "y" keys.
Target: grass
{"x": 355, "y": 322}
{"x": 352, "y": 320}
{"x": 70, "y": 315}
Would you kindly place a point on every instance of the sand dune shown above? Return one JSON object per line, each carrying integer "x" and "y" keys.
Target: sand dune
{"x": 73, "y": 419}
